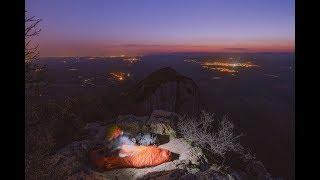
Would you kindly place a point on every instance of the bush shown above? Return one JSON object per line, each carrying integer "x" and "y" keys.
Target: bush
{"x": 212, "y": 135}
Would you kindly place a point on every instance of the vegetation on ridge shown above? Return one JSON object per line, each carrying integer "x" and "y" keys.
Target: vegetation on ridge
{"x": 216, "y": 136}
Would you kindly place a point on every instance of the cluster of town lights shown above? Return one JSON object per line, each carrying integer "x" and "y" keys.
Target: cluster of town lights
{"x": 226, "y": 64}
{"x": 131, "y": 60}
{"x": 119, "y": 76}
{"x": 220, "y": 69}
{"x": 221, "y": 65}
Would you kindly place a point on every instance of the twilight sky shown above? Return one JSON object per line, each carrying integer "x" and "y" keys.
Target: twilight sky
{"x": 112, "y": 27}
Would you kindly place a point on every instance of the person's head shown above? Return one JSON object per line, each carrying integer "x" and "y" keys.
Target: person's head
{"x": 112, "y": 132}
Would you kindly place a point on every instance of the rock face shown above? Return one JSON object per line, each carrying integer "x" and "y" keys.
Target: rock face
{"x": 186, "y": 157}
{"x": 167, "y": 90}
{"x": 189, "y": 161}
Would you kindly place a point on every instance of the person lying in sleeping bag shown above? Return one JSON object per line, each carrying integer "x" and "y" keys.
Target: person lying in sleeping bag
{"x": 124, "y": 152}
{"x": 117, "y": 137}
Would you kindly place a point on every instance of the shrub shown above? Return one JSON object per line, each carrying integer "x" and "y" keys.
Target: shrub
{"x": 211, "y": 134}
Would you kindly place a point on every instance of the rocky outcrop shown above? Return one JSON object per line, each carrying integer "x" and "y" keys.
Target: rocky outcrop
{"x": 186, "y": 157}
{"x": 160, "y": 122}
{"x": 167, "y": 90}
{"x": 189, "y": 161}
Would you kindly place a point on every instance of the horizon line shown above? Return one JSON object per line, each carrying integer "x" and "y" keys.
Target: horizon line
{"x": 163, "y": 53}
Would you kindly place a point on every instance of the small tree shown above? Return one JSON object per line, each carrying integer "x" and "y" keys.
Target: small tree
{"x": 212, "y": 134}
{"x": 31, "y": 30}
{"x": 33, "y": 71}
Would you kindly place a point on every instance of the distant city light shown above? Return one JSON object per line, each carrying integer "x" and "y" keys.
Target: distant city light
{"x": 88, "y": 82}
{"x": 220, "y": 69}
{"x": 132, "y": 60}
{"x": 227, "y": 64}
{"x": 119, "y": 76}
{"x": 73, "y": 69}
{"x": 222, "y": 65}
{"x": 117, "y": 56}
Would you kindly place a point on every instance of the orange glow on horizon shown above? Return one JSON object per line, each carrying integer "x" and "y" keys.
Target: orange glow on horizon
{"x": 68, "y": 49}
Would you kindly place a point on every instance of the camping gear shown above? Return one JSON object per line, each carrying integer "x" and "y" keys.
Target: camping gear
{"x": 121, "y": 140}
{"x": 136, "y": 157}
{"x": 116, "y": 138}
{"x": 146, "y": 139}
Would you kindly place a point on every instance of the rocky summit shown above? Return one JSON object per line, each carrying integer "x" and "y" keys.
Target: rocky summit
{"x": 189, "y": 161}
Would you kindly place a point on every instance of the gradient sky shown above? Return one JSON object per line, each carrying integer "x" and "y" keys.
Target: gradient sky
{"x": 112, "y": 27}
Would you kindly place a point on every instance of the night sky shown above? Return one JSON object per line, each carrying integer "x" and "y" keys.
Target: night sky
{"x": 112, "y": 27}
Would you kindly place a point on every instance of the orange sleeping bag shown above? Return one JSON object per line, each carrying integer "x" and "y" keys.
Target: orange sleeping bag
{"x": 136, "y": 157}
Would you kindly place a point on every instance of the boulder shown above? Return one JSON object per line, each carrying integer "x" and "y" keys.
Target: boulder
{"x": 164, "y": 89}
{"x": 162, "y": 129}
{"x": 161, "y": 115}
{"x": 160, "y": 122}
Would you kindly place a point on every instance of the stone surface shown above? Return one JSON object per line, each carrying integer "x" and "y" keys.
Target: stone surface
{"x": 164, "y": 175}
{"x": 160, "y": 122}
{"x": 189, "y": 162}
{"x": 70, "y": 159}
{"x": 163, "y": 129}
{"x": 187, "y": 153}
{"x": 162, "y": 116}
{"x": 95, "y": 131}
{"x": 187, "y": 157}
